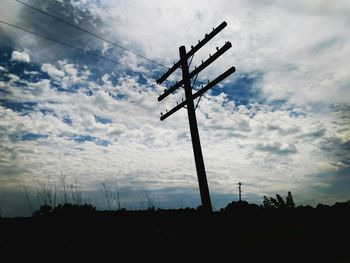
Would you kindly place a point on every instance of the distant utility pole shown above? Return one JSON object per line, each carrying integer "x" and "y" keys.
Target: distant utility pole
{"x": 240, "y": 191}
{"x": 189, "y": 102}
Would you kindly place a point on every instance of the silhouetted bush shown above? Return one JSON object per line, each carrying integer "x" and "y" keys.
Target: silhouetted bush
{"x": 304, "y": 207}
{"x": 322, "y": 207}
{"x": 240, "y": 206}
{"x": 342, "y": 205}
{"x": 66, "y": 210}
{"x": 43, "y": 210}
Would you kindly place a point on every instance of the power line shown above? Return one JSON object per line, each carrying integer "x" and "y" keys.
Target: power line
{"x": 71, "y": 46}
{"x": 128, "y": 50}
{"x": 116, "y": 62}
{"x": 189, "y": 102}
{"x": 90, "y": 33}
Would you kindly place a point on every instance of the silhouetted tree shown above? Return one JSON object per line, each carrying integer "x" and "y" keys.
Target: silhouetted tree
{"x": 280, "y": 202}
{"x": 274, "y": 202}
{"x": 267, "y": 204}
{"x": 289, "y": 200}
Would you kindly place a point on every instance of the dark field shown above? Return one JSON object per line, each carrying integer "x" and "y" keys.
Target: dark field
{"x": 236, "y": 234}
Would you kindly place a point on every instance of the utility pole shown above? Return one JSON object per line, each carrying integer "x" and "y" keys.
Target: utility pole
{"x": 240, "y": 191}
{"x": 189, "y": 101}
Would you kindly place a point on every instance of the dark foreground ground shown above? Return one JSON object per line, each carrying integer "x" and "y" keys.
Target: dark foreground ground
{"x": 238, "y": 235}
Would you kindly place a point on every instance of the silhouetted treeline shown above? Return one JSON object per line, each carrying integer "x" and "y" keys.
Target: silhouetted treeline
{"x": 277, "y": 230}
{"x": 278, "y": 204}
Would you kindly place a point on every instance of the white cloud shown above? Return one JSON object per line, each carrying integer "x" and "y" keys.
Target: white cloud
{"x": 277, "y": 147}
{"x": 259, "y": 147}
{"x": 294, "y": 65}
{"x": 20, "y": 56}
{"x": 52, "y": 71}
{"x": 271, "y": 150}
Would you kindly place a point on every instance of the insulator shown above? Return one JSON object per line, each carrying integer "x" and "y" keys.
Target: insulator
{"x": 177, "y": 103}
{"x": 202, "y": 61}
{"x": 206, "y": 35}
{"x": 161, "y": 114}
{"x": 166, "y": 110}
{"x": 191, "y": 46}
{"x": 210, "y": 55}
{"x": 217, "y": 48}
{"x": 182, "y": 99}
{"x": 199, "y": 41}
{"x": 208, "y": 81}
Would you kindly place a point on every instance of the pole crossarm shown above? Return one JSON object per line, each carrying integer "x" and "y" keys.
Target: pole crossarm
{"x": 200, "y": 92}
{"x": 198, "y": 69}
{"x": 206, "y": 39}
{"x": 188, "y": 103}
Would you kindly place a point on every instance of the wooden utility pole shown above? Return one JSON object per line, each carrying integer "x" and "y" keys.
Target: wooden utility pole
{"x": 197, "y": 150}
{"x": 240, "y": 191}
{"x": 186, "y": 83}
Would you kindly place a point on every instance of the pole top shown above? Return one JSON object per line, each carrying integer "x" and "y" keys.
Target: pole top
{"x": 182, "y": 49}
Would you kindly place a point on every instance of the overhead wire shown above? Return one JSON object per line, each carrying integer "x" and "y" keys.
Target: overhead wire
{"x": 90, "y": 33}
{"x": 114, "y": 61}
{"x": 72, "y": 47}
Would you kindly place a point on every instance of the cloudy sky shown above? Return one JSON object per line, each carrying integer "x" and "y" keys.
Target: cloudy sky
{"x": 280, "y": 123}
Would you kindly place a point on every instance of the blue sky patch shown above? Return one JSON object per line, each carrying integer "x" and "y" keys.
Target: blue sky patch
{"x": 62, "y": 88}
{"x": 88, "y": 138}
{"x": 119, "y": 96}
{"x": 102, "y": 142}
{"x": 18, "y": 106}
{"x": 242, "y": 91}
{"x": 67, "y": 120}
{"x": 102, "y": 120}
{"x": 26, "y": 137}
{"x": 18, "y": 68}
{"x": 84, "y": 138}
